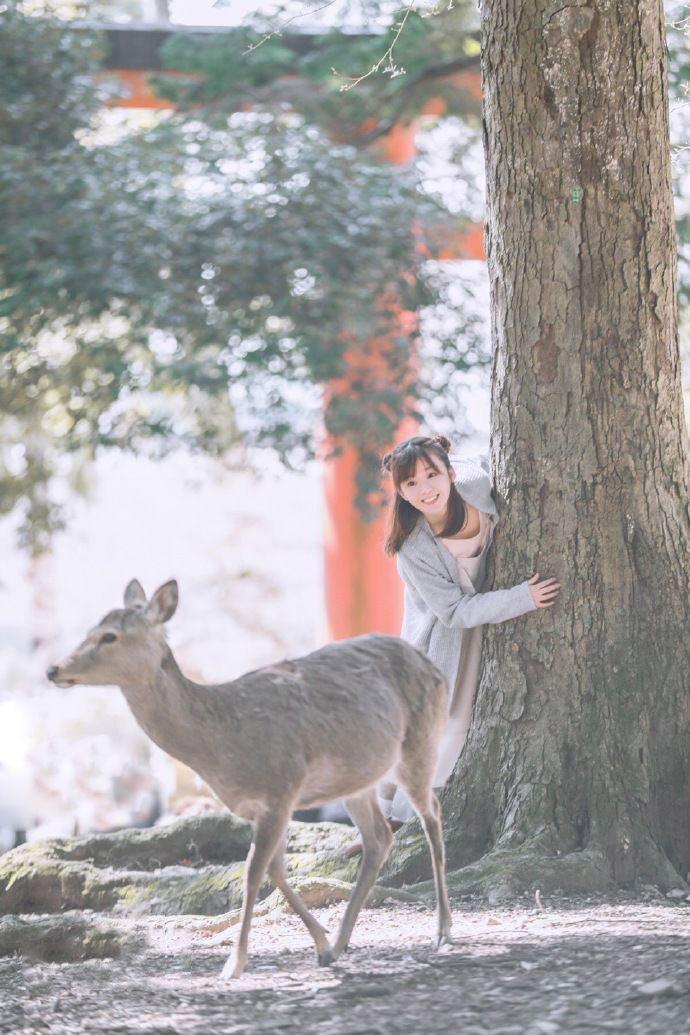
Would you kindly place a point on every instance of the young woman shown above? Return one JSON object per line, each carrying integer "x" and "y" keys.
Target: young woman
{"x": 441, "y": 527}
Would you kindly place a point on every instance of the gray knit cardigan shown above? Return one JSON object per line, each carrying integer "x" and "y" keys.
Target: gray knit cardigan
{"x": 437, "y": 609}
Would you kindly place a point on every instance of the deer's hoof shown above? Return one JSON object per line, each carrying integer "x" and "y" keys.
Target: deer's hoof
{"x": 326, "y": 957}
{"x": 444, "y": 942}
{"x": 233, "y": 969}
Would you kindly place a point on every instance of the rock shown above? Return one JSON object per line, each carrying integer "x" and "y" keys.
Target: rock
{"x": 213, "y": 838}
{"x": 660, "y": 986}
{"x": 315, "y": 893}
{"x": 58, "y": 939}
{"x": 500, "y": 894}
{"x": 318, "y": 892}
{"x": 676, "y": 893}
{"x": 194, "y": 866}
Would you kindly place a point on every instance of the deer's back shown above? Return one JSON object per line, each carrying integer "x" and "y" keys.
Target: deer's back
{"x": 342, "y": 711}
{"x": 372, "y": 676}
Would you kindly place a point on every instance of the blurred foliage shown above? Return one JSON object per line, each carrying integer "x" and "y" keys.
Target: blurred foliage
{"x": 84, "y": 234}
{"x": 678, "y": 42}
{"x": 147, "y": 273}
{"x": 353, "y": 85}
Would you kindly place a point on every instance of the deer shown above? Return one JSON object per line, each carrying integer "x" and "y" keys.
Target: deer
{"x": 329, "y": 725}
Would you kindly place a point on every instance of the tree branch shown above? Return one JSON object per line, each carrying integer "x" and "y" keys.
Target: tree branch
{"x": 435, "y": 72}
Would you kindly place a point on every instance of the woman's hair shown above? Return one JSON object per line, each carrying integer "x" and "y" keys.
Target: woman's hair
{"x": 401, "y": 464}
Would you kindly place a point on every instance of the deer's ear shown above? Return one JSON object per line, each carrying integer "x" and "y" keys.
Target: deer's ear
{"x": 163, "y": 603}
{"x": 134, "y": 594}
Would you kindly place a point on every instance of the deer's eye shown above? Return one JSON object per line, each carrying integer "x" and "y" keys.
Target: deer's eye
{"x": 108, "y": 638}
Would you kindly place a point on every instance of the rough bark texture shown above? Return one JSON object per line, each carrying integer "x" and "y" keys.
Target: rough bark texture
{"x": 580, "y": 741}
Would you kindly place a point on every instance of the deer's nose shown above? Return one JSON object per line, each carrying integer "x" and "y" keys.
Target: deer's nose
{"x": 52, "y": 672}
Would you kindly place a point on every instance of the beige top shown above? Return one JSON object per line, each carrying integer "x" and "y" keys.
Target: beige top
{"x": 470, "y": 556}
{"x": 469, "y": 548}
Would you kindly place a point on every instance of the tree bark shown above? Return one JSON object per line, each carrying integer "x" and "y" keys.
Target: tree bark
{"x": 580, "y": 740}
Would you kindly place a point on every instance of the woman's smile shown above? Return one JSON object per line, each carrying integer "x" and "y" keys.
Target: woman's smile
{"x": 428, "y": 489}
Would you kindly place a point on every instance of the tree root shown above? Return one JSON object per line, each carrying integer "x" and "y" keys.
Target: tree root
{"x": 542, "y": 861}
{"x": 503, "y": 874}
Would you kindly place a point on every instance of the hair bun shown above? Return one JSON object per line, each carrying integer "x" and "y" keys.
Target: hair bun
{"x": 386, "y": 461}
{"x": 441, "y": 441}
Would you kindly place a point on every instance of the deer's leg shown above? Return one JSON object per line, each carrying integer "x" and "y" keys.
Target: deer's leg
{"x": 386, "y": 793}
{"x": 268, "y": 833}
{"x": 277, "y": 873}
{"x": 376, "y": 840}
{"x": 418, "y": 787}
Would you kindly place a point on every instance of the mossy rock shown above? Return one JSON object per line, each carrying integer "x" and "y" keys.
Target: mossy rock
{"x": 165, "y": 871}
{"x": 216, "y": 838}
{"x": 179, "y": 890}
{"x": 58, "y": 939}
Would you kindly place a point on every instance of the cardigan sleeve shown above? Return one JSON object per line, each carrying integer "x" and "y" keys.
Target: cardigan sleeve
{"x": 458, "y": 610}
{"x": 484, "y": 461}
{"x": 474, "y": 472}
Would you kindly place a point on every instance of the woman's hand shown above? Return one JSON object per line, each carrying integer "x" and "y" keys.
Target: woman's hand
{"x": 544, "y": 593}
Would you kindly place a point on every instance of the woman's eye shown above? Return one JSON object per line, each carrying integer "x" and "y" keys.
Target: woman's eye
{"x": 108, "y": 638}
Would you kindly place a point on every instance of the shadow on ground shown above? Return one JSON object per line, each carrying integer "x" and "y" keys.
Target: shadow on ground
{"x": 575, "y": 966}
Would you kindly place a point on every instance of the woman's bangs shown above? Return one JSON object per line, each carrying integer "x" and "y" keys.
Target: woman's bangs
{"x": 406, "y": 466}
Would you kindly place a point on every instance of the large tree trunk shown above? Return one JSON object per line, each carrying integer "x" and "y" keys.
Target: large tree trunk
{"x": 579, "y": 749}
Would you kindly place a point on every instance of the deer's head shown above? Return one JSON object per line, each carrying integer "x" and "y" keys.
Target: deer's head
{"x": 124, "y": 645}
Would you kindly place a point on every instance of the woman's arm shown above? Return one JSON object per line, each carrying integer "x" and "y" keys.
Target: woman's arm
{"x": 459, "y": 610}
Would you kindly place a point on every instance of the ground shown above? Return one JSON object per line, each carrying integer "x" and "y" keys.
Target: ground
{"x": 575, "y": 965}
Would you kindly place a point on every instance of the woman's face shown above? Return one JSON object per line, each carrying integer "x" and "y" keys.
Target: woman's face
{"x": 428, "y": 488}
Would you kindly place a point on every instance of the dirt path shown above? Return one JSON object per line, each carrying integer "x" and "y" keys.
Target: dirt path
{"x": 576, "y": 966}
